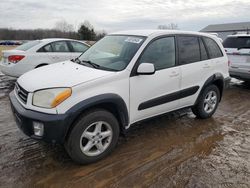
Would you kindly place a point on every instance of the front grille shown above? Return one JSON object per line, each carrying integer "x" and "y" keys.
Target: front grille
{"x": 21, "y": 93}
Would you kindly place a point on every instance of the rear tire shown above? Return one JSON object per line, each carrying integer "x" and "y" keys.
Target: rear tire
{"x": 207, "y": 102}
{"x": 93, "y": 136}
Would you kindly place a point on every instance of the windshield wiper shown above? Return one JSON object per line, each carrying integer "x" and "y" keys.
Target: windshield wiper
{"x": 76, "y": 60}
{"x": 84, "y": 62}
{"x": 90, "y": 63}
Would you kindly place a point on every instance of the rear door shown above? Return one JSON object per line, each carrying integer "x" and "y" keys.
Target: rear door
{"x": 195, "y": 67}
{"x": 218, "y": 64}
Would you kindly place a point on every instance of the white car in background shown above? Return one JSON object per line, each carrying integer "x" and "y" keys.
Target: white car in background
{"x": 238, "y": 50}
{"x": 38, "y": 53}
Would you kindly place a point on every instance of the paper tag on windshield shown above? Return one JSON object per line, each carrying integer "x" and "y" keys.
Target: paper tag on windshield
{"x": 133, "y": 40}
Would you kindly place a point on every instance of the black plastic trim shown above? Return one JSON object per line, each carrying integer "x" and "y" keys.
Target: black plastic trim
{"x": 108, "y": 98}
{"x": 168, "y": 98}
{"x": 54, "y": 124}
{"x": 227, "y": 82}
{"x": 215, "y": 77}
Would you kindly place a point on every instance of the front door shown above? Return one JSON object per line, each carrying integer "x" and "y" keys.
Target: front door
{"x": 155, "y": 94}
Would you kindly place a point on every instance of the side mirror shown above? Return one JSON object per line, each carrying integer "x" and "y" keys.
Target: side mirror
{"x": 146, "y": 69}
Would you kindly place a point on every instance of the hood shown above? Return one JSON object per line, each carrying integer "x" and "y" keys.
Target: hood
{"x": 63, "y": 74}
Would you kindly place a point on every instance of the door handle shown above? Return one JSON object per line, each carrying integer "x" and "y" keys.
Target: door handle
{"x": 174, "y": 74}
{"x": 206, "y": 66}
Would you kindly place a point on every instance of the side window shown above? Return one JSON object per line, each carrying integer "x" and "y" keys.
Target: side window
{"x": 60, "y": 46}
{"x": 213, "y": 48}
{"x": 161, "y": 53}
{"x": 46, "y": 48}
{"x": 204, "y": 55}
{"x": 78, "y": 47}
{"x": 189, "y": 49}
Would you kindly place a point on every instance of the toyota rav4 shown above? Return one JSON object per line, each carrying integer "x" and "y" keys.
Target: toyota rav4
{"x": 124, "y": 78}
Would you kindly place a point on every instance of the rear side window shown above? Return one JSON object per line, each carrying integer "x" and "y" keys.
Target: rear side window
{"x": 78, "y": 47}
{"x": 189, "y": 49}
{"x": 26, "y": 46}
{"x": 46, "y": 48}
{"x": 161, "y": 53}
{"x": 237, "y": 42}
{"x": 204, "y": 55}
{"x": 214, "y": 50}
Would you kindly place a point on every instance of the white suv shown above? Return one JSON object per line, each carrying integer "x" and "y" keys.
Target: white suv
{"x": 124, "y": 78}
{"x": 238, "y": 51}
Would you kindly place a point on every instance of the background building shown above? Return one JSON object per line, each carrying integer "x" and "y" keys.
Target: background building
{"x": 227, "y": 29}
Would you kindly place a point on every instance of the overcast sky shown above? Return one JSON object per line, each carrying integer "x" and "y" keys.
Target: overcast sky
{"x": 113, "y": 15}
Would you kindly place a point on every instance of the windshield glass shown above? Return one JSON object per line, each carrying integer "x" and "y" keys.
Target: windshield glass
{"x": 28, "y": 45}
{"x": 237, "y": 42}
{"x": 113, "y": 52}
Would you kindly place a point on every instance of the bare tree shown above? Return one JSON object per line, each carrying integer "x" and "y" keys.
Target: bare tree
{"x": 63, "y": 30}
{"x": 33, "y": 34}
{"x": 87, "y": 24}
{"x": 171, "y": 26}
{"x": 63, "y": 26}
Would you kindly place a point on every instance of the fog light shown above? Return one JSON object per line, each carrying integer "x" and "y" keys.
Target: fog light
{"x": 38, "y": 128}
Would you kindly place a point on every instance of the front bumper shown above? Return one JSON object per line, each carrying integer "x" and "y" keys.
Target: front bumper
{"x": 55, "y": 126}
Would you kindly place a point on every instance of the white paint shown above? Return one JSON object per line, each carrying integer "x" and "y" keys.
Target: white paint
{"x": 88, "y": 82}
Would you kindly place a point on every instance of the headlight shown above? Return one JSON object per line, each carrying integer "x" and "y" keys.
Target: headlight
{"x": 50, "y": 98}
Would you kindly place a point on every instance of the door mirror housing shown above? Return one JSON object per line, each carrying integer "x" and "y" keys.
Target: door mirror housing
{"x": 146, "y": 69}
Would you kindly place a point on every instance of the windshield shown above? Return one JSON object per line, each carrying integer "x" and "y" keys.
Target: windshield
{"x": 28, "y": 45}
{"x": 113, "y": 52}
{"x": 237, "y": 42}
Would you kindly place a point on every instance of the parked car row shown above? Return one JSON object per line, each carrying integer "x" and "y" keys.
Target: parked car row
{"x": 10, "y": 43}
{"x": 125, "y": 78}
{"x": 39, "y": 53}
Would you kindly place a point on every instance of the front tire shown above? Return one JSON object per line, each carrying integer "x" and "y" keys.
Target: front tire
{"x": 93, "y": 136}
{"x": 207, "y": 102}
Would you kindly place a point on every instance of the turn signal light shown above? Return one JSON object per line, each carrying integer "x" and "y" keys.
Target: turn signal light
{"x": 61, "y": 97}
{"x": 15, "y": 58}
